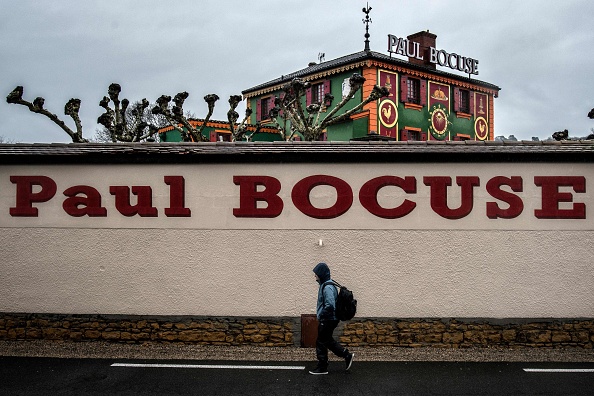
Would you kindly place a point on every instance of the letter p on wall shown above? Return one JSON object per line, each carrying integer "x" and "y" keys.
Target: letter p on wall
{"x": 25, "y": 195}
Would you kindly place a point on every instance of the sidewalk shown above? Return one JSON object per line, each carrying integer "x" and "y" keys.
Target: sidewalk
{"x": 103, "y": 350}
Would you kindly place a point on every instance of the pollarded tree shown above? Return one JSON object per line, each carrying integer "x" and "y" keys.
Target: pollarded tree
{"x": 71, "y": 109}
{"x": 135, "y": 115}
{"x": 131, "y": 124}
{"x": 239, "y": 132}
{"x": 311, "y": 121}
{"x": 124, "y": 123}
{"x": 176, "y": 118}
{"x": 114, "y": 120}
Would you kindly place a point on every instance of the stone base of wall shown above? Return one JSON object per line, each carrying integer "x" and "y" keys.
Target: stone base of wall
{"x": 273, "y": 332}
{"x": 469, "y": 333}
{"x": 284, "y": 332}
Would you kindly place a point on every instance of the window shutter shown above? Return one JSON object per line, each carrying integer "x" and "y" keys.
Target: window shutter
{"x": 308, "y": 96}
{"x": 456, "y": 99}
{"x": 327, "y": 91}
{"x": 423, "y": 136}
{"x": 281, "y": 98}
{"x": 423, "y": 93}
{"x": 403, "y": 135}
{"x": 213, "y": 136}
{"x": 403, "y": 89}
{"x": 471, "y": 99}
{"x": 258, "y": 110}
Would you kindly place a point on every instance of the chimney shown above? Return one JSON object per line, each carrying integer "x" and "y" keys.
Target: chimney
{"x": 425, "y": 41}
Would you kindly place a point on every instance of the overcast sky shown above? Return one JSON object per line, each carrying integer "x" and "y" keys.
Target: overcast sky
{"x": 541, "y": 53}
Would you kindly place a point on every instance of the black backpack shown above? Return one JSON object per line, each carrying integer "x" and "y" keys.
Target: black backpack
{"x": 346, "y": 305}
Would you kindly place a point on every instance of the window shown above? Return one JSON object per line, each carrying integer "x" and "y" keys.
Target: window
{"x": 220, "y": 136}
{"x": 413, "y": 92}
{"x": 461, "y": 137}
{"x": 411, "y": 133}
{"x": 413, "y": 89}
{"x": 263, "y": 107}
{"x": 464, "y": 101}
{"x": 316, "y": 94}
{"x": 414, "y": 135}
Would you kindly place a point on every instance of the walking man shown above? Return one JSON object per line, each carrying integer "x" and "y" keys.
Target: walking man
{"x": 327, "y": 322}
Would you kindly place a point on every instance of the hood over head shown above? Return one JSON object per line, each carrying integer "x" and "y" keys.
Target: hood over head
{"x": 322, "y": 271}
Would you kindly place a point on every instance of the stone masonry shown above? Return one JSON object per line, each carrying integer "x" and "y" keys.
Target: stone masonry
{"x": 276, "y": 332}
{"x": 285, "y": 332}
{"x": 464, "y": 334}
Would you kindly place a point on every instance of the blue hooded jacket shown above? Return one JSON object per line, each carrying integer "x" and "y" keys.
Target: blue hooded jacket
{"x": 327, "y": 293}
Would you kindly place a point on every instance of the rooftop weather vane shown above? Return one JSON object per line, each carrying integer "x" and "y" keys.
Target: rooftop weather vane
{"x": 367, "y": 21}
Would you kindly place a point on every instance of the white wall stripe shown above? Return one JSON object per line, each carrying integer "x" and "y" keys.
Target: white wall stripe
{"x": 576, "y": 370}
{"x": 207, "y": 366}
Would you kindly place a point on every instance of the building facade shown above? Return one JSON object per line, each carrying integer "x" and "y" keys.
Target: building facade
{"x": 424, "y": 103}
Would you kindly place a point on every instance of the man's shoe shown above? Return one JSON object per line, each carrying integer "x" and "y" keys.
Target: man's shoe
{"x": 319, "y": 371}
{"x": 349, "y": 360}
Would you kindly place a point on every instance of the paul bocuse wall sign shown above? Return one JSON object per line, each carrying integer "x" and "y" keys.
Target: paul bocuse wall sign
{"x": 298, "y": 196}
{"x": 404, "y": 47}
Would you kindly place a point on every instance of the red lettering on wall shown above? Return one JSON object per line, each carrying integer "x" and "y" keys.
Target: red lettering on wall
{"x": 301, "y": 199}
{"x": 144, "y": 206}
{"x": 249, "y": 196}
{"x": 439, "y": 196}
{"x": 516, "y": 206}
{"x": 25, "y": 197}
{"x": 89, "y": 205}
{"x": 177, "y": 194}
{"x": 551, "y": 197}
{"x": 369, "y": 191}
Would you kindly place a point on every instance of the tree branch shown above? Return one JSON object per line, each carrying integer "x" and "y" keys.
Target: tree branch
{"x": 72, "y": 108}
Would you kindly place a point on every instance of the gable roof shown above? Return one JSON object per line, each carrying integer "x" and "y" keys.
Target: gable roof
{"x": 359, "y": 59}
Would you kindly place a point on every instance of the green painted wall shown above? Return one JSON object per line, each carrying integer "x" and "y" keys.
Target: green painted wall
{"x": 343, "y": 131}
{"x": 421, "y": 119}
{"x": 175, "y": 136}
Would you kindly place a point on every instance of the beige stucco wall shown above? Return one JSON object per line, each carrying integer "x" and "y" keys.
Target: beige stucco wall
{"x": 420, "y": 267}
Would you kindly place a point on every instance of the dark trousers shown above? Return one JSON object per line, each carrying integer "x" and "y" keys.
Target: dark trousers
{"x": 326, "y": 341}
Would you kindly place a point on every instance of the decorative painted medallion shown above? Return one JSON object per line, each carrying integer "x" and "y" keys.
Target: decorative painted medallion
{"x": 387, "y": 109}
{"x": 439, "y": 110}
{"x": 439, "y": 122}
{"x": 388, "y": 113}
{"x": 481, "y": 128}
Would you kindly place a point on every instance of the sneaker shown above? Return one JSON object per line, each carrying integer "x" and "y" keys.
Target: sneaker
{"x": 349, "y": 360}
{"x": 319, "y": 371}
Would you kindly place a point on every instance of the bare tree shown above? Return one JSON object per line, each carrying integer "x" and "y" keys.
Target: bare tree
{"x": 124, "y": 123}
{"x": 310, "y": 121}
{"x": 239, "y": 132}
{"x": 71, "y": 109}
{"x": 135, "y": 117}
{"x": 176, "y": 118}
{"x": 4, "y": 140}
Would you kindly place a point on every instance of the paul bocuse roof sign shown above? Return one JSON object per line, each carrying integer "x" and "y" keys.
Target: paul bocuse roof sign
{"x": 402, "y": 46}
{"x": 298, "y": 196}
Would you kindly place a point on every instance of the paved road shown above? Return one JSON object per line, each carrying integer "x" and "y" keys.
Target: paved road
{"x": 51, "y": 376}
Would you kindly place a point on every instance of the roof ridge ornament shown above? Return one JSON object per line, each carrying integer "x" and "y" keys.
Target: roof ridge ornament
{"x": 367, "y": 21}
